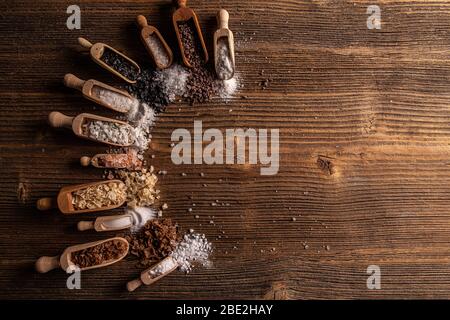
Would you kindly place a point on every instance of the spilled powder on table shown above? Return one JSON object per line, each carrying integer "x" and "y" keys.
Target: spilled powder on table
{"x": 142, "y": 117}
{"x": 140, "y": 216}
{"x": 193, "y": 249}
{"x": 227, "y": 88}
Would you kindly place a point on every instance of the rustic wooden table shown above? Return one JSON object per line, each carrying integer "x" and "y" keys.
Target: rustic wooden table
{"x": 364, "y": 160}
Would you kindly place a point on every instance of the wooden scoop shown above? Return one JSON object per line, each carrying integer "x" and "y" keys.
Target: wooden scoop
{"x": 96, "y": 51}
{"x": 107, "y": 223}
{"x": 223, "y": 33}
{"x": 86, "y": 87}
{"x": 184, "y": 14}
{"x": 150, "y": 31}
{"x": 64, "y": 199}
{"x": 45, "y": 264}
{"x": 154, "y": 273}
{"x": 59, "y": 120}
{"x": 122, "y": 161}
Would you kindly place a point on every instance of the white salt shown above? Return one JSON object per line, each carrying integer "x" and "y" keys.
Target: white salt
{"x": 111, "y": 132}
{"x": 163, "y": 267}
{"x": 173, "y": 81}
{"x": 159, "y": 51}
{"x": 225, "y": 68}
{"x": 227, "y": 88}
{"x": 142, "y": 117}
{"x": 194, "y": 248}
{"x": 114, "y": 100}
{"x": 120, "y": 222}
{"x": 140, "y": 216}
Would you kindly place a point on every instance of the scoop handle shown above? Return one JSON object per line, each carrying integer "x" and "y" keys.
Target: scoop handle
{"x": 182, "y": 3}
{"x": 134, "y": 284}
{"x": 85, "y": 43}
{"x": 44, "y": 204}
{"x": 141, "y": 21}
{"x": 222, "y": 19}
{"x": 73, "y": 82}
{"x": 45, "y": 264}
{"x": 85, "y": 161}
{"x": 85, "y": 225}
{"x": 59, "y": 120}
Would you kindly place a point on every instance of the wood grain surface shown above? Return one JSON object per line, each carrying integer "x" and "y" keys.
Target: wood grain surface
{"x": 364, "y": 150}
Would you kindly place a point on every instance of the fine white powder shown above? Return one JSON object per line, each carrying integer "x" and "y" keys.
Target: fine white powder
{"x": 225, "y": 67}
{"x": 193, "y": 249}
{"x": 163, "y": 267}
{"x": 140, "y": 216}
{"x": 114, "y": 100}
{"x": 173, "y": 81}
{"x": 119, "y": 222}
{"x": 158, "y": 50}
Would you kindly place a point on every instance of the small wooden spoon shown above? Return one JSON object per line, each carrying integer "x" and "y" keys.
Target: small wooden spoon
{"x": 184, "y": 14}
{"x": 64, "y": 199}
{"x": 150, "y": 31}
{"x": 223, "y": 33}
{"x": 59, "y": 120}
{"x": 86, "y": 87}
{"x": 96, "y": 52}
{"x": 107, "y": 223}
{"x": 45, "y": 264}
{"x": 152, "y": 274}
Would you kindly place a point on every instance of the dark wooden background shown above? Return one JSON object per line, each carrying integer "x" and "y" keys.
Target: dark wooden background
{"x": 373, "y": 104}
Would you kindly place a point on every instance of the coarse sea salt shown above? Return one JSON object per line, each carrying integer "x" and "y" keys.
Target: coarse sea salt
{"x": 194, "y": 248}
{"x": 110, "y": 132}
{"x": 158, "y": 50}
{"x": 173, "y": 81}
{"x": 115, "y": 100}
{"x": 142, "y": 117}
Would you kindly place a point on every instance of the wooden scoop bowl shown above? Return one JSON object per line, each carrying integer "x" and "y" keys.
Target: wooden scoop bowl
{"x": 59, "y": 120}
{"x": 107, "y": 223}
{"x": 96, "y": 51}
{"x": 150, "y": 31}
{"x": 223, "y": 32}
{"x": 86, "y": 88}
{"x": 184, "y": 14}
{"x": 151, "y": 275}
{"x": 64, "y": 199}
{"x": 45, "y": 264}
